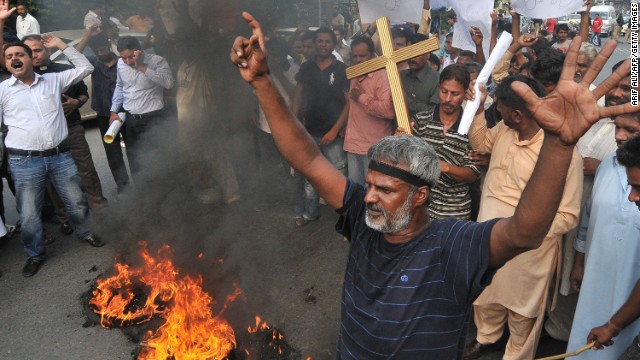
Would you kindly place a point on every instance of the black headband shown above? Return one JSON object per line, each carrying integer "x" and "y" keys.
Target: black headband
{"x": 398, "y": 173}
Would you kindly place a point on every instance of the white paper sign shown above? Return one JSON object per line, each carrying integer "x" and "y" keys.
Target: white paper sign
{"x": 398, "y": 11}
{"x": 475, "y": 13}
{"x": 544, "y": 9}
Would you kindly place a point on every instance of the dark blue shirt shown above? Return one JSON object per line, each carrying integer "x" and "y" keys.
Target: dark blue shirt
{"x": 103, "y": 84}
{"x": 411, "y": 300}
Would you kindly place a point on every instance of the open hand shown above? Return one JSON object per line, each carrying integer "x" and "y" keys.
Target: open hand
{"x": 5, "y": 12}
{"x": 250, "y": 55}
{"x": 570, "y": 110}
{"x": 49, "y": 41}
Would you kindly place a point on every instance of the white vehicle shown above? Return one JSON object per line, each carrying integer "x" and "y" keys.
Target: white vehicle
{"x": 608, "y": 15}
{"x": 73, "y": 37}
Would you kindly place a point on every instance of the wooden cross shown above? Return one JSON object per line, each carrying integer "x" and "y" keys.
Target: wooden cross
{"x": 390, "y": 60}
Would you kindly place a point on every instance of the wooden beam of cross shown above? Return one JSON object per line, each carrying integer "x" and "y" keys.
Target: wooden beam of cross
{"x": 390, "y": 60}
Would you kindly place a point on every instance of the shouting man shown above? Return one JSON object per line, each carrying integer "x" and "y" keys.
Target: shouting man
{"x": 410, "y": 280}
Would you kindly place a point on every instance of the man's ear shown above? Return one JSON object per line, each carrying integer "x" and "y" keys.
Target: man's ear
{"x": 421, "y": 196}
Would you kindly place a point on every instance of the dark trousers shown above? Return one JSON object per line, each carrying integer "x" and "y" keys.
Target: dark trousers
{"x": 114, "y": 155}
{"x": 142, "y": 138}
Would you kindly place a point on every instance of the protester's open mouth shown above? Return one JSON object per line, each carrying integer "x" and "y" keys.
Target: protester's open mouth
{"x": 16, "y": 64}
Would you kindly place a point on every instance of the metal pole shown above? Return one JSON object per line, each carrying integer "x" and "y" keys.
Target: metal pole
{"x": 319, "y": 13}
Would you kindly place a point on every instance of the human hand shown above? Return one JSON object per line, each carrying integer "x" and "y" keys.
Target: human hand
{"x": 445, "y": 167}
{"x": 494, "y": 17}
{"x": 479, "y": 158}
{"x": 114, "y": 117}
{"x": 570, "y": 110}
{"x": 603, "y": 335}
{"x": 250, "y": 55}
{"x": 69, "y": 104}
{"x": 577, "y": 273}
{"x": 5, "y": 12}
{"x": 138, "y": 58}
{"x": 49, "y": 41}
{"x": 476, "y": 35}
{"x": 526, "y": 40}
{"x": 92, "y": 31}
{"x": 329, "y": 137}
{"x": 355, "y": 93}
{"x": 512, "y": 12}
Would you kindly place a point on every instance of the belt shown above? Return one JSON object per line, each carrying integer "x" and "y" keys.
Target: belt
{"x": 44, "y": 153}
{"x": 145, "y": 115}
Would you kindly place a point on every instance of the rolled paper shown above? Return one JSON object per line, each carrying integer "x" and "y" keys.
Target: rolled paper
{"x": 472, "y": 106}
{"x": 112, "y": 132}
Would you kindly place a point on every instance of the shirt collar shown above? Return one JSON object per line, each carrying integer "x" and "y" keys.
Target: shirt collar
{"x": 13, "y": 80}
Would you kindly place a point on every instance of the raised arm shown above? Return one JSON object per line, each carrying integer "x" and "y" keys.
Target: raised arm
{"x": 565, "y": 115}
{"x": 584, "y": 21}
{"x": 295, "y": 144}
{"x": 425, "y": 20}
{"x": 5, "y": 13}
{"x": 82, "y": 66}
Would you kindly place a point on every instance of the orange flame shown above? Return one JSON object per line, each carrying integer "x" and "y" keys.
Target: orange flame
{"x": 190, "y": 330}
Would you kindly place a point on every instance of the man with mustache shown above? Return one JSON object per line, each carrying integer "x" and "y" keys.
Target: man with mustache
{"x": 438, "y": 126}
{"x": 420, "y": 82}
{"x": 31, "y": 108}
{"x": 410, "y": 280}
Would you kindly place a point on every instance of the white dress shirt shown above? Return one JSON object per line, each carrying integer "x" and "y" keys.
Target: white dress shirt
{"x": 27, "y": 25}
{"x": 33, "y": 114}
{"x": 138, "y": 92}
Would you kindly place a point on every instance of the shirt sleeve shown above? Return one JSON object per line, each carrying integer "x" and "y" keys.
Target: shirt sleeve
{"x": 351, "y": 210}
{"x": 160, "y": 73}
{"x": 82, "y": 68}
{"x": 118, "y": 94}
{"x": 466, "y": 256}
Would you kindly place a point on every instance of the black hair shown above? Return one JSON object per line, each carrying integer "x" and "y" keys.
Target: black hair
{"x": 363, "y": 40}
{"x": 325, "y": 30}
{"x": 617, "y": 65}
{"x": 468, "y": 53}
{"x": 128, "y": 43}
{"x": 416, "y": 38}
{"x": 449, "y": 35}
{"x": 434, "y": 59}
{"x": 548, "y": 66}
{"x": 564, "y": 27}
{"x": 99, "y": 40}
{"x": 399, "y": 32}
{"x": 510, "y": 98}
{"x": 543, "y": 32}
{"x": 308, "y": 35}
{"x": 457, "y": 72}
{"x": 541, "y": 45}
{"x": 473, "y": 67}
{"x": 629, "y": 154}
{"x": 22, "y": 3}
{"x": 26, "y": 48}
{"x": 452, "y": 15}
{"x": 339, "y": 29}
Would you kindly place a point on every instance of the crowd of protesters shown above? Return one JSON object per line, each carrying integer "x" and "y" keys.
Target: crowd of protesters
{"x": 591, "y": 245}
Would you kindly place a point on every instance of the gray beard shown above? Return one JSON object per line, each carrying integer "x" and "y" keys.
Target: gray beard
{"x": 392, "y": 222}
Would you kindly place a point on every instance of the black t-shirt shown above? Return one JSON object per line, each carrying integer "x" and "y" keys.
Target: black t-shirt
{"x": 412, "y": 300}
{"x": 323, "y": 95}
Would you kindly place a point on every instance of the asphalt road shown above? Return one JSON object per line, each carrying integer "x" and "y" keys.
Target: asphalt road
{"x": 291, "y": 277}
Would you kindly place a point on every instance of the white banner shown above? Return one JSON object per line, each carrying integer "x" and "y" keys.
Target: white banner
{"x": 471, "y": 13}
{"x": 544, "y": 9}
{"x": 398, "y": 11}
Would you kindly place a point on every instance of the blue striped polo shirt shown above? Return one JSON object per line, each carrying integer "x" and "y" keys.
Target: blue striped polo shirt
{"x": 411, "y": 300}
